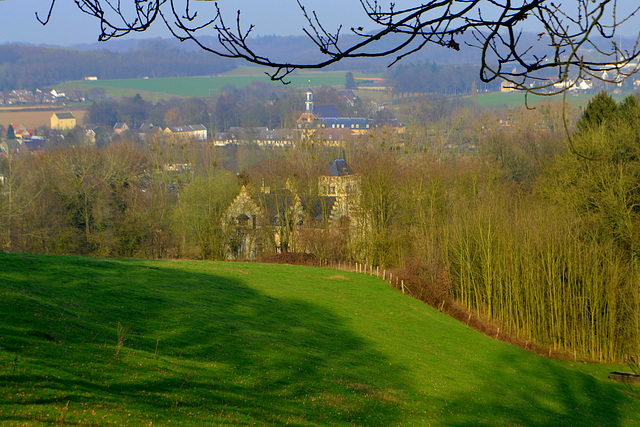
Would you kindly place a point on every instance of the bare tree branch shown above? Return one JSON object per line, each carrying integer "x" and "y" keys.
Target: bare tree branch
{"x": 576, "y": 41}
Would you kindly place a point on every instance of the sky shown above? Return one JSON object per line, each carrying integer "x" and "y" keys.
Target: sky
{"x": 69, "y": 26}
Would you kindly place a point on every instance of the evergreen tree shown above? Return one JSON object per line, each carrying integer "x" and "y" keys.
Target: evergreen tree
{"x": 10, "y": 132}
{"x": 350, "y": 83}
{"x": 600, "y": 109}
{"x": 629, "y": 110}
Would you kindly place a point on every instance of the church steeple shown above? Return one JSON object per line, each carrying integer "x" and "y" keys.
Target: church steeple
{"x": 308, "y": 117}
{"x": 308, "y": 104}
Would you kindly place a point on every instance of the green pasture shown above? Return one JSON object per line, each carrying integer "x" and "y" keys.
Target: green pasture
{"x": 203, "y": 86}
{"x": 517, "y": 99}
{"x": 90, "y": 341}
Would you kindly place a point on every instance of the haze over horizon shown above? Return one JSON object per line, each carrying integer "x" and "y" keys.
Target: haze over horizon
{"x": 69, "y": 26}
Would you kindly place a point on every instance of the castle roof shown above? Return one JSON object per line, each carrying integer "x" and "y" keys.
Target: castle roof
{"x": 326, "y": 111}
{"x": 67, "y": 115}
{"x": 340, "y": 168}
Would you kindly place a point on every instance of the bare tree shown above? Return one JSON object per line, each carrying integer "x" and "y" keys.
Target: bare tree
{"x": 578, "y": 38}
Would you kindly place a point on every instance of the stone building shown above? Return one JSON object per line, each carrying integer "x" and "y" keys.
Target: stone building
{"x": 342, "y": 184}
{"x": 241, "y": 227}
{"x": 270, "y": 221}
{"x": 63, "y": 121}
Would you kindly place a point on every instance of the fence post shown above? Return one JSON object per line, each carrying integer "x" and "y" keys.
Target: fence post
{"x": 402, "y": 283}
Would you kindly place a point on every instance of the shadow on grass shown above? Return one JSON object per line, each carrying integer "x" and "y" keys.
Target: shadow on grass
{"x": 198, "y": 347}
{"x": 525, "y": 389}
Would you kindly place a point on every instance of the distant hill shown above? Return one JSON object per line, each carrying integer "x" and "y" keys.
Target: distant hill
{"x": 302, "y": 49}
{"x": 30, "y": 67}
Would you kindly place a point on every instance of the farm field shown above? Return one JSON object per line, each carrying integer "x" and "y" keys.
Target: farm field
{"x": 517, "y": 99}
{"x": 204, "y": 86}
{"x": 93, "y": 341}
{"x": 35, "y": 117}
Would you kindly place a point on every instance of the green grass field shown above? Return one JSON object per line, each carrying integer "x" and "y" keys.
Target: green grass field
{"x": 158, "y": 88}
{"x": 206, "y": 343}
{"x": 517, "y": 99}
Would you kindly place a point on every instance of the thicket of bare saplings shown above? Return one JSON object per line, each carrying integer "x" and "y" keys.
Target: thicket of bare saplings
{"x": 508, "y": 218}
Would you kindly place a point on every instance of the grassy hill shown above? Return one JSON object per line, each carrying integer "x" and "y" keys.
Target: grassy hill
{"x": 94, "y": 341}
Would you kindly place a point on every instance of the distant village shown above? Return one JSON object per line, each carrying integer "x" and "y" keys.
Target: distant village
{"x": 321, "y": 124}
{"x": 36, "y": 97}
{"x": 606, "y": 80}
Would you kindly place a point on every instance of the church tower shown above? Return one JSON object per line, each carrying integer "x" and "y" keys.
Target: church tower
{"x": 307, "y": 119}
{"x": 308, "y": 104}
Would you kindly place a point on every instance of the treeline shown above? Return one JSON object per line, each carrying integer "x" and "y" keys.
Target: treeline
{"x": 429, "y": 77}
{"x": 31, "y": 67}
{"x": 536, "y": 233}
{"x": 163, "y": 198}
{"x": 135, "y": 111}
{"x": 244, "y": 107}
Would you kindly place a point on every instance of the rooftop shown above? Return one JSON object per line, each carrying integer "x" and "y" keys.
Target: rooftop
{"x": 340, "y": 168}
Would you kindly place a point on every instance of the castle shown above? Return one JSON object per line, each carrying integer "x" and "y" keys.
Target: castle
{"x": 271, "y": 220}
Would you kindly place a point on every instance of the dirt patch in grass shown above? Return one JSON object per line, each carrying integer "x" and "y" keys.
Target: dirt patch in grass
{"x": 338, "y": 277}
{"x": 295, "y": 258}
